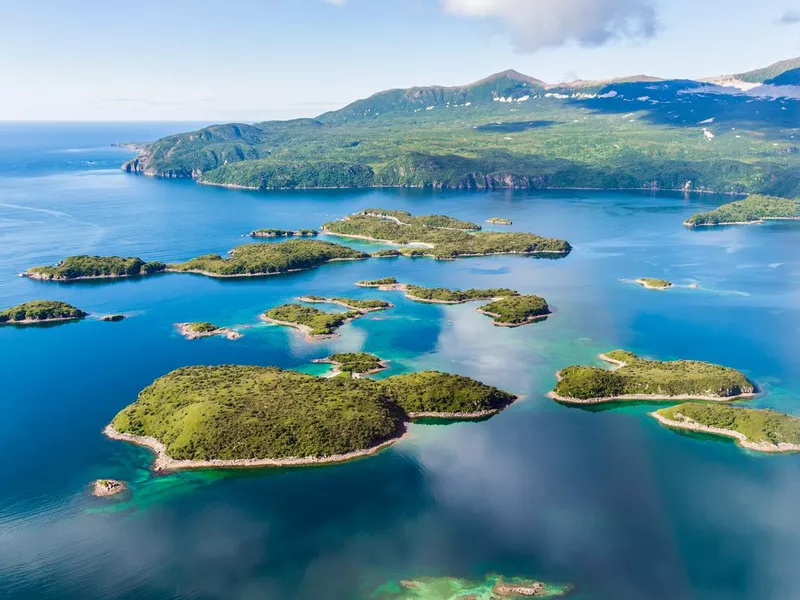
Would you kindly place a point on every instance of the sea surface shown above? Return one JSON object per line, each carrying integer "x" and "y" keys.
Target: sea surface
{"x": 605, "y": 500}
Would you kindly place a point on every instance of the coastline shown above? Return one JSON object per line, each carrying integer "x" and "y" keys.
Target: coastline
{"x": 759, "y": 221}
{"x": 185, "y": 330}
{"x": 305, "y": 329}
{"x": 690, "y": 425}
{"x": 309, "y": 300}
{"x": 527, "y": 321}
{"x": 467, "y": 416}
{"x": 647, "y": 286}
{"x": 38, "y": 277}
{"x": 234, "y": 275}
{"x": 163, "y": 462}
{"x": 37, "y": 321}
{"x": 337, "y": 371}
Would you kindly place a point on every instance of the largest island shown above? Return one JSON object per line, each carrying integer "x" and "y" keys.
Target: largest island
{"x": 509, "y": 130}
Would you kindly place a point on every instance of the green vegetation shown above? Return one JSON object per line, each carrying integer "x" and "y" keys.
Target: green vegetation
{"x": 446, "y": 237}
{"x": 435, "y": 392}
{"x": 377, "y": 282}
{"x": 241, "y": 412}
{"x": 753, "y": 209}
{"x": 202, "y": 327}
{"x": 517, "y": 310}
{"x": 445, "y": 295}
{"x": 651, "y": 378}
{"x": 273, "y": 233}
{"x": 314, "y": 321}
{"x": 583, "y": 135}
{"x": 77, "y": 267}
{"x": 265, "y": 259}
{"x": 351, "y": 303}
{"x": 499, "y": 221}
{"x": 41, "y": 310}
{"x": 245, "y": 412}
{"x": 387, "y": 253}
{"x": 356, "y": 362}
{"x": 658, "y": 284}
{"x": 493, "y": 587}
{"x": 758, "y": 426}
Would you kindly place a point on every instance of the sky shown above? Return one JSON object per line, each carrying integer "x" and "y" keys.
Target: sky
{"x": 252, "y": 60}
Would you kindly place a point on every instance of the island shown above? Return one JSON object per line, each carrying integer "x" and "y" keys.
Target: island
{"x": 651, "y": 283}
{"x": 363, "y": 306}
{"x": 759, "y": 430}
{"x": 251, "y": 416}
{"x": 105, "y": 488}
{"x": 354, "y": 364}
{"x": 499, "y": 221}
{"x": 113, "y": 318}
{"x": 387, "y": 253}
{"x": 75, "y": 268}
{"x": 280, "y": 233}
{"x": 440, "y": 236}
{"x": 753, "y": 209}
{"x": 385, "y": 282}
{"x": 516, "y": 310}
{"x": 636, "y": 378}
{"x": 269, "y": 259}
{"x": 493, "y": 587}
{"x": 314, "y": 323}
{"x": 201, "y": 329}
{"x": 40, "y": 311}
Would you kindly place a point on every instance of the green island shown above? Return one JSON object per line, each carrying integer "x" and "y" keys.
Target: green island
{"x": 276, "y": 233}
{"x": 249, "y": 416}
{"x": 753, "y": 209}
{"x": 40, "y": 311}
{"x": 363, "y": 306}
{"x": 636, "y": 378}
{"x": 314, "y": 323}
{"x": 439, "y": 236}
{"x": 386, "y": 253}
{"x": 354, "y": 364}
{"x": 113, "y": 318}
{"x": 493, "y": 587}
{"x": 508, "y": 130}
{"x": 499, "y": 221}
{"x": 652, "y": 283}
{"x": 759, "y": 430}
{"x": 377, "y": 283}
{"x": 201, "y": 329}
{"x": 94, "y": 267}
{"x": 269, "y": 259}
{"x": 516, "y": 310}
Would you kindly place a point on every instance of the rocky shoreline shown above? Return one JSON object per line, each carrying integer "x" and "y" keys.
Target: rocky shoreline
{"x": 186, "y": 331}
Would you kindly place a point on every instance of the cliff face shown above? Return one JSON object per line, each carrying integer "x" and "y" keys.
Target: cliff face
{"x": 143, "y": 165}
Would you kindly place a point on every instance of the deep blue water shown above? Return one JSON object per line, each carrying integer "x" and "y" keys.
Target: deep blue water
{"x": 607, "y": 500}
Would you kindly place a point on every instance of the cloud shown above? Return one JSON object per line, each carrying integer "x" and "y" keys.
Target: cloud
{"x": 790, "y": 17}
{"x": 334, "y": 2}
{"x": 536, "y": 24}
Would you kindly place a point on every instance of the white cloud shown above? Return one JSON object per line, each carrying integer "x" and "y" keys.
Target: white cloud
{"x": 536, "y": 24}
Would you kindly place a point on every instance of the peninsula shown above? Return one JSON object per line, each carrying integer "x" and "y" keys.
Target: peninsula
{"x": 248, "y": 416}
{"x": 753, "y": 209}
{"x": 439, "y": 236}
{"x": 354, "y": 364}
{"x": 195, "y": 331}
{"x": 74, "y": 268}
{"x": 363, "y": 306}
{"x": 759, "y": 430}
{"x": 314, "y": 323}
{"x": 40, "y": 311}
{"x": 493, "y": 587}
{"x": 651, "y": 283}
{"x": 280, "y": 233}
{"x": 636, "y": 378}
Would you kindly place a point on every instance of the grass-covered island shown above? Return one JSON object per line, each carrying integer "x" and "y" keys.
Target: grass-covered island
{"x": 201, "y": 329}
{"x": 248, "y": 416}
{"x": 753, "y": 209}
{"x": 516, "y": 310}
{"x": 280, "y": 233}
{"x": 269, "y": 259}
{"x": 314, "y": 323}
{"x": 760, "y": 430}
{"x": 94, "y": 267}
{"x": 493, "y": 587}
{"x": 377, "y": 283}
{"x": 113, "y": 318}
{"x": 652, "y": 283}
{"x": 40, "y": 311}
{"x": 354, "y": 364}
{"x": 499, "y": 221}
{"x": 105, "y": 488}
{"x": 364, "y": 306}
{"x": 636, "y": 378}
{"x": 439, "y": 236}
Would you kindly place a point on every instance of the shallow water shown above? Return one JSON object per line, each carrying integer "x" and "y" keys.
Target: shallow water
{"x": 605, "y": 500}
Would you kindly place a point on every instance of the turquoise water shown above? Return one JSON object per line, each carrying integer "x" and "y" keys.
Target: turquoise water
{"x": 606, "y": 500}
